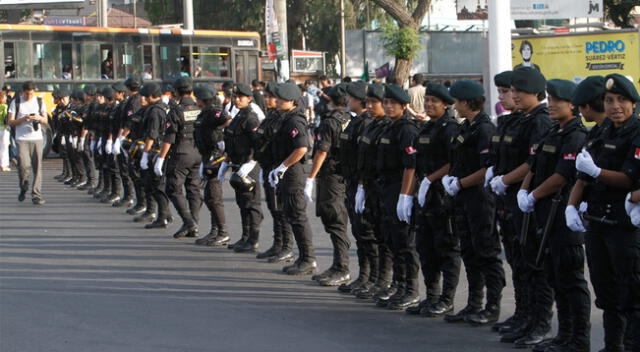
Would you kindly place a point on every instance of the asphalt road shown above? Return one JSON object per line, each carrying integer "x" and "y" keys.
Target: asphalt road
{"x": 77, "y": 275}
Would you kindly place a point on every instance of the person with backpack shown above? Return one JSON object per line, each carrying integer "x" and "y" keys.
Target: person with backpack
{"x": 26, "y": 113}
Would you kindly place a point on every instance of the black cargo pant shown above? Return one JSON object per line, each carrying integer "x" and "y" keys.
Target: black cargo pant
{"x": 282, "y": 233}
{"x": 182, "y": 173}
{"x": 143, "y": 198}
{"x": 75, "y": 159}
{"x": 333, "y": 213}
{"x": 613, "y": 255}
{"x": 363, "y": 233}
{"x": 215, "y": 204}
{"x": 87, "y": 161}
{"x": 123, "y": 167}
{"x": 114, "y": 172}
{"x": 438, "y": 247}
{"x": 382, "y": 257}
{"x": 250, "y": 210}
{"x": 480, "y": 245}
{"x": 291, "y": 199}
{"x": 156, "y": 187}
{"x": 400, "y": 240}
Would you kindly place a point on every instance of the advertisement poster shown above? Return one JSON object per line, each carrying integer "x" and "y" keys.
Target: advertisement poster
{"x": 575, "y": 57}
{"x": 555, "y": 9}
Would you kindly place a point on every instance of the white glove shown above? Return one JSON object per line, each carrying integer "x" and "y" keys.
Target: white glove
{"x": 526, "y": 201}
{"x": 308, "y": 188}
{"x": 99, "y": 146}
{"x": 117, "y": 145}
{"x": 63, "y": 141}
{"x": 221, "y": 146}
{"x": 157, "y": 168}
{"x": 108, "y": 146}
{"x": 144, "y": 162}
{"x": 451, "y": 185}
{"x": 222, "y": 170}
{"x": 583, "y": 207}
{"x": 360, "y": 196}
{"x": 276, "y": 174}
{"x": 585, "y": 163}
{"x": 404, "y": 206}
{"x": 260, "y": 178}
{"x": 423, "y": 190}
{"x": 246, "y": 168}
{"x": 498, "y": 187}
{"x": 635, "y": 216}
{"x": 92, "y": 146}
{"x": 201, "y": 170}
{"x": 79, "y": 144}
{"x": 488, "y": 176}
{"x": 628, "y": 204}
{"x": 572, "y": 217}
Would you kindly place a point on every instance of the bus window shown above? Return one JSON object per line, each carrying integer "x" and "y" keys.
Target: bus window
{"x": 211, "y": 62}
{"x": 169, "y": 61}
{"x": 129, "y": 60}
{"x": 106, "y": 66}
{"x": 89, "y": 55}
{"x": 185, "y": 62}
{"x": 47, "y": 60}
{"x": 67, "y": 71}
{"x": 252, "y": 67}
{"x": 240, "y": 74}
{"x": 9, "y": 61}
{"x": 147, "y": 60}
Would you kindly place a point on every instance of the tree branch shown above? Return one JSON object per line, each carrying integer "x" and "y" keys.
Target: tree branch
{"x": 398, "y": 12}
{"x": 420, "y": 11}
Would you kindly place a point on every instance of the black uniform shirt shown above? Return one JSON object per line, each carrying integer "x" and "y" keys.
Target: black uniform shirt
{"x": 208, "y": 130}
{"x": 396, "y": 151}
{"x": 154, "y": 121}
{"x": 349, "y": 144}
{"x": 293, "y": 134}
{"x": 240, "y": 134}
{"x": 368, "y": 148}
{"x": 470, "y": 148}
{"x": 433, "y": 146}
{"x": 265, "y": 135}
{"x": 327, "y": 138}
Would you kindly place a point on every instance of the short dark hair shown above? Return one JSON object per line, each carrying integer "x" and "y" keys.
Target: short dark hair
{"x": 339, "y": 100}
{"x": 346, "y": 79}
{"x": 526, "y": 43}
{"x": 418, "y": 78}
{"x": 255, "y": 83}
{"x": 476, "y": 104}
{"x": 596, "y": 104}
{"x": 184, "y": 91}
{"x": 28, "y": 85}
{"x": 542, "y": 96}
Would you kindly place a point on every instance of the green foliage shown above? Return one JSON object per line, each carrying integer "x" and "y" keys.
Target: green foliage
{"x": 400, "y": 42}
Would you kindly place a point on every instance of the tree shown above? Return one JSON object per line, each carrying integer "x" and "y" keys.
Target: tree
{"x": 408, "y": 26}
{"x": 619, "y": 10}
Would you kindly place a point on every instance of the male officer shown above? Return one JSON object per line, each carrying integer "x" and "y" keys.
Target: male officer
{"x": 154, "y": 120}
{"x": 119, "y": 159}
{"x": 74, "y": 147}
{"x": 84, "y": 144}
{"x": 208, "y": 136}
{"x": 238, "y": 138}
{"x": 361, "y": 229}
{"x": 184, "y": 161}
{"x": 290, "y": 147}
{"x": 552, "y": 173}
{"x": 330, "y": 205}
{"x": 282, "y": 248}
{"x": 131, "y": 119}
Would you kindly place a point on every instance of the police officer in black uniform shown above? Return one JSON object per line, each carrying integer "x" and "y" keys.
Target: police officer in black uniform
{"x": 57, "y": 124}
{"x": 289, "y": 150}
{"x": 396, "y": 164}
{"x": 361, "y": 229}
{"x": 73, "y": 135}
{"x": 546, "y": 189}
{"x": 118, "y": 162}
{"x": 239, "y": 137}
{"x": 513, "y": 146}
{"x": 131, "y": 125}
{"x": 474, "y": 207}
{"x": 86, "y": 140}
{"x": 208, "y": 136}
{"x": 437, "y": 244}
{"x": 367, "y": 199}
{"x": 154, "y": 121}
{"x": 609, "y": 169}
{"x": 111, "y": 173}
{"x": 184, "y": 160}
{"x": 330, "y": 203}
{"x": 98, "y": 129}
{"x": 282, "y": 248}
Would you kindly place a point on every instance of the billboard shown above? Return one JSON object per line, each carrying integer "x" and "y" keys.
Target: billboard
{"x": 555, "y": 9}
{"x": 575, "y": 57}
{"x": 30, "y": 2}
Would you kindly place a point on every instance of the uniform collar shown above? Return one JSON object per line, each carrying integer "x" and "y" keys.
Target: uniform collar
{"x": 480, "y": 117}
{"x": 569, "y": 127}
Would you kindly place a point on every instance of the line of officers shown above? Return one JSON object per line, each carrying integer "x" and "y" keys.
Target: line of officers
{"x": 420, "y": 196}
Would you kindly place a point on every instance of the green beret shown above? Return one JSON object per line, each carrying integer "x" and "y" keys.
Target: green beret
{"x": 619, "y": 84}
{"x": 119, "y": 87}
{"x": 203, "y": 92}
{"x": 528, "y": 80}
{"x": 132, "y": 83}
{"x": 395, "y": 92}
{"x": 56, "y": 94}
{"x": 90, "y": 89}
{"x": 107, "y": 92}
{"x": 151, "y": 89}
{"x": 182, "y": 83}
{"x": 376, "y": 91}
{"x": 590, "y": 89}
{"x": 288, "y": 91}
{"x": 561, "y": 88}
{"x": 62, "y": 92}
{"x": 439, "y": 91}
{"x": 357, "y": 90}
{"x": 503, "y": 79}
{"x": 338, "y": 91}
{"x": 466, "y": 89}
{"x": 271, "y": 88}
{"x": 78, "y": 94}
{"x": 242, "y": 89}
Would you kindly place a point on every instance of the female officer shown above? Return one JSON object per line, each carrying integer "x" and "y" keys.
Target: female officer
{"x": 474, "y": 207}
{"x": 609, "y": 166}
{"x": 436, "y": 242}
{"x": 396, "y": 166}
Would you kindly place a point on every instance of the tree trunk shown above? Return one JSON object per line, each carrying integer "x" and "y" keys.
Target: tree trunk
{"x": 402, "y": 70}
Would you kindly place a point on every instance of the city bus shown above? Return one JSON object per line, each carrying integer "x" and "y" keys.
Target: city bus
{"x": 72, "y": 56}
